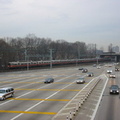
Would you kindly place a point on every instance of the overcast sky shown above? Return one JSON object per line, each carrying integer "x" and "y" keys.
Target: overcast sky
{"x": 89, "y": 21}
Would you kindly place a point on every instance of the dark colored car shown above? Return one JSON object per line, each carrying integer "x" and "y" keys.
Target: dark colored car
{"x": 84, "y": 70}
{"x": 80, "y": 68}
{"x": 49, "y": 80}
{"x": 114, "y": 89}
{"x": 117, "y": 69}
{"x": 90, "y": 74}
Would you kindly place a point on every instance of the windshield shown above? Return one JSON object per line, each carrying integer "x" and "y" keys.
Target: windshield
{"x": 80, "y": 79}
{"x": 114, "y": 87}
{"x": 2, "y": 91}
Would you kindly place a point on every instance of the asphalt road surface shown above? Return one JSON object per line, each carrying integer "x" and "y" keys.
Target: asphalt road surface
{"x": 35, "y": 100}
{"x": 109, "y": 108}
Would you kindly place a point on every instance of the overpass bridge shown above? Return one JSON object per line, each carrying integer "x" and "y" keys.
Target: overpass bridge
{"x": 113, "y": 56}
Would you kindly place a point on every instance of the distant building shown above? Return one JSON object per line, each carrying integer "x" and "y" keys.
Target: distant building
{"x": 98, "y": 52}
{"x": 115, "y": 49}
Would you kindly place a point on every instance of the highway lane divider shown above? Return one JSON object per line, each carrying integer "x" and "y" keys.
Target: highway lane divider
{"x": 27, "y": 112}
{"x": 49, "y": 89}
{"x": 69, "y": 111}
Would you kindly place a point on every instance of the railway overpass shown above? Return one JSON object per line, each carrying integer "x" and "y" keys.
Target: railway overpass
{"x": 113, "y": 56}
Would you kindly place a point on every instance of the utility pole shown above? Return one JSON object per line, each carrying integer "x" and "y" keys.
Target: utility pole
{"x": 51, "y": 58}
{"x": 96, "y": 54}
{"x": 25, "y": 55}
{"x": 95, "y": 50}
{"x": 26, "y": 59}
{"x": 78, "y": 52}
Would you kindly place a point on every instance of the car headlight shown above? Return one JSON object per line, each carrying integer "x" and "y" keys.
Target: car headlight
{"x": 110, "y": 90}
{"x": 117, "y": 90}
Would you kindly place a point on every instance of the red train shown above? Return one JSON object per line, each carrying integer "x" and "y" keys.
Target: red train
{"x": 14, "y": 65}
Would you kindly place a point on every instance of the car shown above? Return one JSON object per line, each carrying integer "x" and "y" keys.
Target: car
{"x": 110, "y": 65}
{"x": 112, "y": 75}
{"x": 94, "y": 65}
{"x": 109, "y": 71}
{"x": 49, "y": 80}
{"x": 114, "y": 89}
{"x": 101, "y": 64}
{"x": 98, "y": 67}
{"x": 80, "y": 80}
{"x": 80, "y": 68}
{"x": 90, "y": 74}
{"x": 6, "y": 92}
{"x": 84, "y": 70}
{"x": 117, "y": 69}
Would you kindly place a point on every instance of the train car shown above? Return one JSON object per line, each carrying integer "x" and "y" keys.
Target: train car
{"x": 25, "y": 64}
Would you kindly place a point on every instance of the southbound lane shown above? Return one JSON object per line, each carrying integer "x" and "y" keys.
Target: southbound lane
{"x": 109, "y": 108}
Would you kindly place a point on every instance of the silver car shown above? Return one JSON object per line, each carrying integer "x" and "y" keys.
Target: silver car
{"x": 109, "y": 71}
{"x": 80, "y": 80}
{"x": 6, "y": 92}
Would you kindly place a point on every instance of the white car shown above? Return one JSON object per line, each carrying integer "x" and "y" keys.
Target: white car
{"x": 6, "y": 92}
{"x": 98, "y": 67}
{"x": 112, "y": 76}
{"x": 109, "y": 71}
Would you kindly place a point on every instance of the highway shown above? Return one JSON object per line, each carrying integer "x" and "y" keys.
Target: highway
{"x": 110, "y": 105}
{"x": 35, "y": 100}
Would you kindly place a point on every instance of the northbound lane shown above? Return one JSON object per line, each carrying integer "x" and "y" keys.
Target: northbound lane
{"x": 35, "y": 100}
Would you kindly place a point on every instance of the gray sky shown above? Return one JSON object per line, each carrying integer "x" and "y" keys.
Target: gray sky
{"x": 90, "y": 21}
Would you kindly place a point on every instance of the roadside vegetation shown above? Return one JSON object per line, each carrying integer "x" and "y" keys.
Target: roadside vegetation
{"x": 33, "y": 48}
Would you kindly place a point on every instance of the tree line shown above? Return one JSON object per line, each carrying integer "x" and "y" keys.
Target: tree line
{"x": 32, "y": 48}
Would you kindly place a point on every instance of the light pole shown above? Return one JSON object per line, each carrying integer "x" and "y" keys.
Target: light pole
{"x": 27, "y": 59}
{"x": 50, "y": 58}
{"x": 97, "y": 60}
